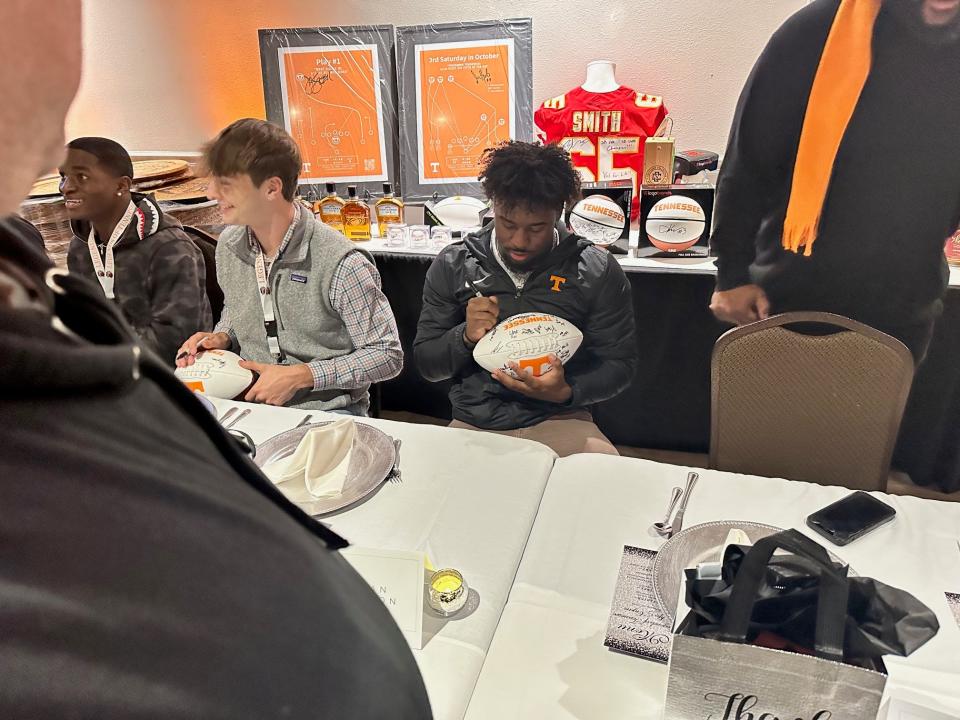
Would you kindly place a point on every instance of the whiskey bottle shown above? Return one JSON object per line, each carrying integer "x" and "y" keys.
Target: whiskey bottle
{"x": 330, "y": 208}
{"x": 389, "y": 210}
{"x": 356, "y": 216}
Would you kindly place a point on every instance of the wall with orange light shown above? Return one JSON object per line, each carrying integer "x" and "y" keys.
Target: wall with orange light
{"x": 167, "y": 75}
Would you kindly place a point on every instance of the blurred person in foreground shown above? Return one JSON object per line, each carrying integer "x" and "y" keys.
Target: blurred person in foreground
{"x": 147, "y": 568}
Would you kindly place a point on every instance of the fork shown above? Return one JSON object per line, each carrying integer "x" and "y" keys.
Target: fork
{"x": 237, "y": 419}
{"x": 394, "y": 475}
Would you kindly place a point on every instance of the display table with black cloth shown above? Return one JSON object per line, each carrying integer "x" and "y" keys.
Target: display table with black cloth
{"x": 667, "y": 406}
{"x": 929, "y": 446}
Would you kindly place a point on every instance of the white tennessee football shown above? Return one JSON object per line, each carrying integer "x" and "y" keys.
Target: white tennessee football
{"x": 216, "y": 373}
{"x": 528, "y": 340}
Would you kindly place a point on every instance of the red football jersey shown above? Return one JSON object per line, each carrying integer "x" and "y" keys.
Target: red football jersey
{"x": 604, "y": 132}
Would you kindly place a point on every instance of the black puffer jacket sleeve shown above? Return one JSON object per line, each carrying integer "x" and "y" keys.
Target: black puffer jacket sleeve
{"x": 439, "y": 348}
{"x": 611, "y": 337}
{"x": 178, "y": 305}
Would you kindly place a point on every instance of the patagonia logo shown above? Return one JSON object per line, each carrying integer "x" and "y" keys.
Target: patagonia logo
{"x": 298, "y": 278}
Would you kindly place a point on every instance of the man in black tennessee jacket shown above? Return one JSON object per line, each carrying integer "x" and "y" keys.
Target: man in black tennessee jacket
{"x": 527, "y": 261}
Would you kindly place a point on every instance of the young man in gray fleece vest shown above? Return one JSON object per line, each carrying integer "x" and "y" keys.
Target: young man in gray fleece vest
{"x": 301, "y": 306}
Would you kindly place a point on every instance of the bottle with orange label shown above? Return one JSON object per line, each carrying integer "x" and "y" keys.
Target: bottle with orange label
{"x": 356, "y": 216}
{"x": 389, "y": 210}
{"x": 329, "y": 209}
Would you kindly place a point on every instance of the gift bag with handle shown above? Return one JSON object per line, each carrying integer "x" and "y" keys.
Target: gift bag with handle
{"x": 726, "y": 679}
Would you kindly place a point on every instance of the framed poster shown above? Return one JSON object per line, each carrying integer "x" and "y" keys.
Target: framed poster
{"x": 465, "y": 103}
{"x": 333, "y": 90}
{"x": 465, "y": 87}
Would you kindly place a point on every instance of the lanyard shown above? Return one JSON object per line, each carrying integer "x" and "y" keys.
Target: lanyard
{"x": 266, "y": 303}
{"x": 106, "y": 272}
{"x": 266, "y": 297}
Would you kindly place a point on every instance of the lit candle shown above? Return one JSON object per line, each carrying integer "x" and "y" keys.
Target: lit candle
{"x": 448, "y": 591}
{"x": 446, "y": 582}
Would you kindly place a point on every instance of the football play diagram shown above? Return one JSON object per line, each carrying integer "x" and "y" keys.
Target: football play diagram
{"x": 444, "y": 96}
{"x": 464, "y": 105}
{"x": 331, "y": 103}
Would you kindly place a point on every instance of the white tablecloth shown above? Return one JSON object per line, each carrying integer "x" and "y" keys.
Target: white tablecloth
{"x": 547, "y": 659}
{"x": 468, "y": 500}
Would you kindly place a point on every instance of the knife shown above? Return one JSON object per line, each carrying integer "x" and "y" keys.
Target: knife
{"x": 677, "y": 524}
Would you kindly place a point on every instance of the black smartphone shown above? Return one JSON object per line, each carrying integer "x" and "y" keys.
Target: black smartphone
{"x": 850, "y": 518}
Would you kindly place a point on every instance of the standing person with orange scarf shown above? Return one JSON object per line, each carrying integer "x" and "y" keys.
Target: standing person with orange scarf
{"x": 841, "y": 180}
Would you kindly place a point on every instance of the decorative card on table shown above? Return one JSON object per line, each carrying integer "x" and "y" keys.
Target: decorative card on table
{"x": 637, "y": 626}
{"x": 397, "y": 579}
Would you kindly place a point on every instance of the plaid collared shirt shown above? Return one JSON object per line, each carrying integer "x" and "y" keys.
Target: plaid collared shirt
{"x": 356, "y": 296}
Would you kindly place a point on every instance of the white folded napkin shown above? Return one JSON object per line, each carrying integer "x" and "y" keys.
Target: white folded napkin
{"x": 711, "y": 570}
{"x": 318, "y": 467}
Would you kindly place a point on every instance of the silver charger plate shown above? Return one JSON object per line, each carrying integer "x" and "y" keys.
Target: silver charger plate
{"x": 205, "y": 401}
{"x": 371, "y": 461}
{"x": 697, "y": 544}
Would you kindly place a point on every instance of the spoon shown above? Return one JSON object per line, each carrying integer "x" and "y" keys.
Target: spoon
{"x": 662, "y": 528}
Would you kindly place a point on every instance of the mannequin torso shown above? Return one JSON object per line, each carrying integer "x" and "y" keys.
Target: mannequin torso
{"x": 601, "y": 77}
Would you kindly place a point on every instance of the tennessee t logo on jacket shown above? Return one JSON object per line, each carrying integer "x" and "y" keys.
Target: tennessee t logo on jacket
{"x": 557, "y": 282}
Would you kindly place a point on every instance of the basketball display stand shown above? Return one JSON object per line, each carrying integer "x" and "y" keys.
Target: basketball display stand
{"x": 612, "y": 229}
{"x": 675, "y": 221}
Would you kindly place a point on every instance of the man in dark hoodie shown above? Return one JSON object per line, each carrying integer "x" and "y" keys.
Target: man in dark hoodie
{"x": 147, "y": 568}
{"x": 140, "y": 256}
{"x": 527, "y": 261}
{"x": 841, "y": 180}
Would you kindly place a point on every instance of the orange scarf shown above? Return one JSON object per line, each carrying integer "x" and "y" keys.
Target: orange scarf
{"x": 840, "y": 78}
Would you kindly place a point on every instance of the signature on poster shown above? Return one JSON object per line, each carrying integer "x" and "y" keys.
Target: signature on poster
{"x": 482, "y": 76}
{"x": 314, "y": 83}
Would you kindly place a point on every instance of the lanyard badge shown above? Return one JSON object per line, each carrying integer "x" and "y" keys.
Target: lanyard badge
{"x": 266, "y": 304}
{"x": 104, "y": 267}
{"x": 263, "y": 285}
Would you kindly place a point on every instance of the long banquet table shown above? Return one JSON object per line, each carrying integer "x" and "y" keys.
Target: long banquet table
{"x": 541, "y": 540}
{"x": 548, "y": 660}
{"x": 466, "y": 499}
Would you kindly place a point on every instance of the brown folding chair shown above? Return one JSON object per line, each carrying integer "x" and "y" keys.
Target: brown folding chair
{"x": 788, "y": 402}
